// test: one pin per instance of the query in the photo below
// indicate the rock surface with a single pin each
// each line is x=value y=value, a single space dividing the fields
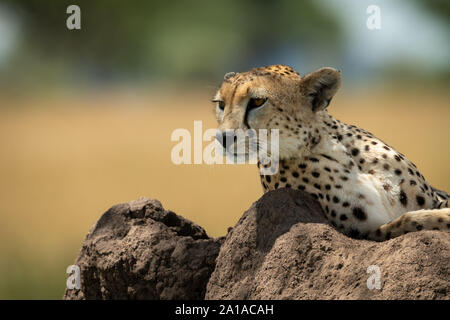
x=276 y=252
x=138 y=250
x=281 y=248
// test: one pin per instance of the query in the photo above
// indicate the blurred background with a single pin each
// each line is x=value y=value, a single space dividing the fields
x=86 y=115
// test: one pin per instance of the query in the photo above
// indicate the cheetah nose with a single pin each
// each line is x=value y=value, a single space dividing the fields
x=226 y=138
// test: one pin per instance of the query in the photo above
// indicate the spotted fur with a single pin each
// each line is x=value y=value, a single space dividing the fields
x=366 y=188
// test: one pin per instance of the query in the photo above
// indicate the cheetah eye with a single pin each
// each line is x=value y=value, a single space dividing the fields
x=256 y=102
x=220 y=104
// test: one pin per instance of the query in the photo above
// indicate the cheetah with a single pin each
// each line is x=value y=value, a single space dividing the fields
x=365 y=187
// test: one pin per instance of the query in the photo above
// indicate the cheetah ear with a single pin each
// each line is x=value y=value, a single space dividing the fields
x=229 y=75
x=320 y=86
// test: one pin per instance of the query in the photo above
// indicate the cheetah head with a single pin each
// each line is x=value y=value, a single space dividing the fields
x=275 y=97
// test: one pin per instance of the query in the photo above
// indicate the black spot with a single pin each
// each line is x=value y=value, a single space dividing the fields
x=412 y=182
x=359 y=136
x=420 y=200
x=403 y=198
x=345 y=204
x=338 y=186
x=315 y=174
x=410 y=171
x=317 y=186
x=343 y=217
x=314 y=196
x=328 y=157
x=327 y=186
x=305 y=180
x=398 y=172
x=283 y=179
x=300 y=187
x=362 y=161
x=397 y=158
x=295 y=174
x=355 y=151
x=386 y=166
x=344 y=178
x=419 y=227
x=384 y=156
x=374 y=143
x=339 y=137
x=386 y=147
x=333 y=213
x=313 y=159
x=353 y=233
x=288 y=185
x=359 y=213
x=268 y=179
x=367 y=148
x=335 y=199
x=302 y=166
x=276 y=185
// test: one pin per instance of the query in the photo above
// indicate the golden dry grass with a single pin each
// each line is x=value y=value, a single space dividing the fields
x=66 y=159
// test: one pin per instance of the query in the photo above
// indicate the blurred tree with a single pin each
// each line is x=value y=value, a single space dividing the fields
x=164 y=39
x=440 y=8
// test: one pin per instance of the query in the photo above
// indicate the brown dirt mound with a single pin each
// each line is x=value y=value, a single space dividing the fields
x=281 y=248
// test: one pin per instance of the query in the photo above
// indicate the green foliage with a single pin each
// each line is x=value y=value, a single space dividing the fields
x=166 y=39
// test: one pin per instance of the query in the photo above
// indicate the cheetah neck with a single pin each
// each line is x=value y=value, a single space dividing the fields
x=325 y=140
x=330 y=146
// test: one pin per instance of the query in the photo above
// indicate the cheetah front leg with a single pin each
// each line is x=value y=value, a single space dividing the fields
x=433 y=219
